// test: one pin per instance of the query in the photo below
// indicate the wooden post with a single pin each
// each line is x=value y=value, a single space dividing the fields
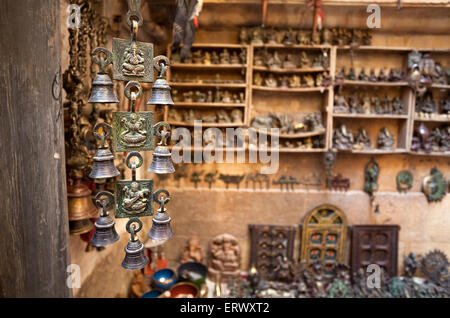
x=34 y=252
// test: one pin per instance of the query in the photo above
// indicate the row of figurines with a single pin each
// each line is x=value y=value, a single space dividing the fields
x=394 y=75
x=292 y=81
x=222 y=116
x=206 y=57
x=426 y=107
x=290 y=60
x=334 y=36
x=363 y=104
x=435 y=141
x=217 y=80
x=253 y=178
x=288 y=124
x=343 y=139
x=218 y=96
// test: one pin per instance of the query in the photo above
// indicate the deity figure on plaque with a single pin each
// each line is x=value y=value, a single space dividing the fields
x=135 y=199
x=192 y=251
x=225 y=256
x=134 y=134
x=133 y=64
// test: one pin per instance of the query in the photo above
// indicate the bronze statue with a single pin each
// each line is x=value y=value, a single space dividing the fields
x=342 y=138
x=385 y=139
x=225 y=257
x=362 y=140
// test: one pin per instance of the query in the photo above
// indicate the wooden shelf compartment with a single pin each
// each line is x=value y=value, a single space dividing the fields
x=433 y=153
x=379 y=84
x=288 y=71
x=434 y=119
x=193 y=104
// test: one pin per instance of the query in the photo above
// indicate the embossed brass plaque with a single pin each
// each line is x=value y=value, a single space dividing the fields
x=133 y=131
x=133 y=198
x=132 y=61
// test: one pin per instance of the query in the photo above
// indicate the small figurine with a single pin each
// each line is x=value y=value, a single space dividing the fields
x=257 y=36
x=376 y=105
x=288 y=62
x=372 y=170
x=207 y=58
x=289 y=37
x=327 y=37
x=362 y=140
x=362 y=75
x=382 y=76
x=192 y=251
x=385 y=139
x=225 y=57
x=397 y=106
x=257 y=79
x=270 y=81
x=294 y=81
x=342 y=139
x=340 y=104
x=243 y=36
x=366 y=105
x=271 y=36
x=274 y=61
x=386 y=104
x=351 y=74
x=354 y=103
x=225 y=257
x=236 y=116
x=372 y=76
x=304 y=37
x=197 y=57
x=284 y=82
x=308 y=80
x=258 y=59
x=215 y=58
x=234 y=58
x=304 y=60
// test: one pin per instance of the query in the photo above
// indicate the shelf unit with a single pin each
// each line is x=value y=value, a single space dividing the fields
x=260 y=100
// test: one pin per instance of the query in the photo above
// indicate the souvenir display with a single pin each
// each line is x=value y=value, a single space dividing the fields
x=434 y=186
x=393 y=75
x=404 y=180
x=225 y=258
x=375 y=244
x=324 y=233
x=371 y=173
x=364 y=104
x=268 y=243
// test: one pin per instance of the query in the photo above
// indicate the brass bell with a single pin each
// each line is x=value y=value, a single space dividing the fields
x=103 y=166
x=161 y=89
x=162 y=161
x=80 y=226
x=161 y=229
x=105 y=233
x=102 y=85
x=135 y=257
x=80 y=205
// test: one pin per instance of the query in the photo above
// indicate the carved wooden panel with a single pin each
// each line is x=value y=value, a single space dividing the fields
x=267 y=243
x=324 y=232
x=375 y=244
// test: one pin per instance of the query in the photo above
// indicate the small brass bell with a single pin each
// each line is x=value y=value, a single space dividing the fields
x=103 y=166
x=161 y=229
x=102 y=85
x=80 y=205
x=162 y=158
x=135 y=257
x=105 y=233
x=161 y=89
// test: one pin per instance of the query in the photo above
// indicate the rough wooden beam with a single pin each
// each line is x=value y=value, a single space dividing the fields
x=34 y=226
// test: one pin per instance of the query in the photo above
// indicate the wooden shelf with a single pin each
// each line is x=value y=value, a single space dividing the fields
x=373 y=151
x=188 y=104
x=391 y=49
x=218 y=125
x=210 y=66
x=192 y=84
x=293 y=70
x=305 y=134
x=381 y=84
x=191 y=148
x=288 y=150
x=369 y=116
x=294 y=46
x=434 y=153
x=219 y=45
x=289 y=90
x=440 y=86
x=435 y=119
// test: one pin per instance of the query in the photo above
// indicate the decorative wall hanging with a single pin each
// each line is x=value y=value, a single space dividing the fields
x=371 y=173
x=329 y=160
x=132 y=132
x=225 y=259
x=324 y=233
x=268 y=243
x=404 y=180
x=435 y=266
x=105 y=232
x=375 y=244
x=434 y=186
